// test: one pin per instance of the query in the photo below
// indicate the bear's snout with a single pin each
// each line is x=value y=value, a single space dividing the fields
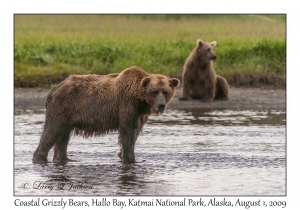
x=213 y=57
x=160 y=102
x=161 y=107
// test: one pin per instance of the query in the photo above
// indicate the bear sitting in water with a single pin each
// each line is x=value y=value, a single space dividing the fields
x=95 y=105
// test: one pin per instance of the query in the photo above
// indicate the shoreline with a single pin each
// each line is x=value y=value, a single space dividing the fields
x=239 y=98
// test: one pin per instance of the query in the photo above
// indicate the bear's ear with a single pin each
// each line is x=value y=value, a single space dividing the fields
x=174 y=82
x=145 y=81
x=199 y=43
x=213 y=44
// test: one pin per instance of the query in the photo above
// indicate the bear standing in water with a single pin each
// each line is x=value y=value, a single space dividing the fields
x=95 y=105
x=199 y=77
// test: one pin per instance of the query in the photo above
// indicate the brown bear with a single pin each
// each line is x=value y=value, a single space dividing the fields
x=199 y=77
x=92 y=105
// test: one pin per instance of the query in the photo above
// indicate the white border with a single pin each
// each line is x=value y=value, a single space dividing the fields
x=8 y=8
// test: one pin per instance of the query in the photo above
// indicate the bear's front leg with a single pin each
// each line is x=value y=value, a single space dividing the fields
x=142 y=120
x=209 y=91
x=127 y=141
x=129 y=128
x=185 y=92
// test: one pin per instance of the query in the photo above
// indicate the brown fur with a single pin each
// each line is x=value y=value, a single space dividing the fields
x=199 y=77
x=93 y=105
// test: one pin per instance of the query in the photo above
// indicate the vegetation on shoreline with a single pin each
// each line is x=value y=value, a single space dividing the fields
x=251 y=49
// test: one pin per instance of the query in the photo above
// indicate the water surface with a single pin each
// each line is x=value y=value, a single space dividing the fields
x=183 y=152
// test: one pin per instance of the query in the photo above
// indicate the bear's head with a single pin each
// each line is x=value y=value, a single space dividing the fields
x=158 y=91
x=204 y=51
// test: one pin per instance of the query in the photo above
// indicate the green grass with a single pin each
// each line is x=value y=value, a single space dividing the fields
x=48 y=48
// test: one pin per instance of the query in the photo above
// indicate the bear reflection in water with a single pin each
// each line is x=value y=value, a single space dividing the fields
x=97 y=104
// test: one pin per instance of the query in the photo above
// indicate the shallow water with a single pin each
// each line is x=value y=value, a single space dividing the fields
x=183 y=152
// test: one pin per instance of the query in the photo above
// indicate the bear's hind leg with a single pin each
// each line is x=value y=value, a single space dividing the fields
x=47 y=141
x=120 y=154
x=222 y=89
x=60 y=148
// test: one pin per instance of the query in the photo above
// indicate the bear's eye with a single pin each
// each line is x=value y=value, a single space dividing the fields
x=208 y=49
x=155 y=92
x=165 y=93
